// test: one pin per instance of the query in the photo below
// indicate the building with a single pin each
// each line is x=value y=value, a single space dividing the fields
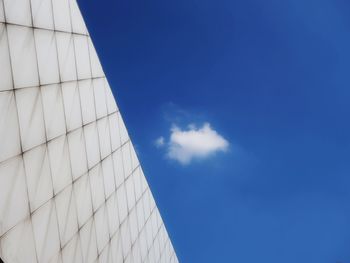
x=71 y=186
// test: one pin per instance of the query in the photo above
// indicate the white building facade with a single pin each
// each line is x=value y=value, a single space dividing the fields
x=71 y=186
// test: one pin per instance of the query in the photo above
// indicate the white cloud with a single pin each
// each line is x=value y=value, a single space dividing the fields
x=194 y=143
x=160 y=142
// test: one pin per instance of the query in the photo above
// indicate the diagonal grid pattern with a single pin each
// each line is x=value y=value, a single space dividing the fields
x=71 y=186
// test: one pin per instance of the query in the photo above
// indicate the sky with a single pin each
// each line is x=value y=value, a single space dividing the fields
x=239 y=112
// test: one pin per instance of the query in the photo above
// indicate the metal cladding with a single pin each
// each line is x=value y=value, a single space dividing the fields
x=71 y=186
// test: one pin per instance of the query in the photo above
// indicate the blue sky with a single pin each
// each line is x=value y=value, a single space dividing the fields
x=272 y=79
